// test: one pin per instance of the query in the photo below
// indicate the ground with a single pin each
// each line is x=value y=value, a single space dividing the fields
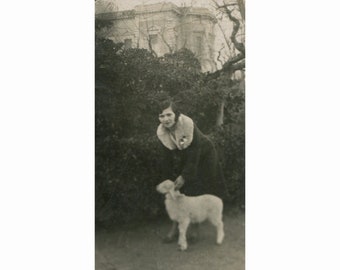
x=140 y=248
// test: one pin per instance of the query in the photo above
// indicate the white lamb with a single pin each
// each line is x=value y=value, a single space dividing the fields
x=185 y=210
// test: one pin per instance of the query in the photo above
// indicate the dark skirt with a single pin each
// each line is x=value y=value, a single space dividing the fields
x=208 y=177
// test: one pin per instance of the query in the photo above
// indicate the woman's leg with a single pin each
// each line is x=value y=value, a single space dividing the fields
x=193 y=232
x=172 y=234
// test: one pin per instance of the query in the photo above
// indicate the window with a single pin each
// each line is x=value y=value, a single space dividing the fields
x=198 y=45
x=153 y=39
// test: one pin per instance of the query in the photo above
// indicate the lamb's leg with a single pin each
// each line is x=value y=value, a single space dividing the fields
x=220 y=232
x=218 y=223
x=182 y=240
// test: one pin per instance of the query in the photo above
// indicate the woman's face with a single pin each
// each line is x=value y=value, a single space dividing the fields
x=167 y=118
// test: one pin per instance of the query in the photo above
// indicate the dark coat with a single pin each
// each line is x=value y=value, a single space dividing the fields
x=198 y=164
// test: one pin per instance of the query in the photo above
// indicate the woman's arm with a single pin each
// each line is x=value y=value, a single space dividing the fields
x=189 y=172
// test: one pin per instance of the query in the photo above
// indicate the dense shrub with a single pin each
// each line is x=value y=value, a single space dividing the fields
x=128 y=85
x=126 y=176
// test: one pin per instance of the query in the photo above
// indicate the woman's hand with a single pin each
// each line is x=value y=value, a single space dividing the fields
x=179 y=182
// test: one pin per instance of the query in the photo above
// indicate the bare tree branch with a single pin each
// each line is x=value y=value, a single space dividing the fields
x=166 y=43
x=219 y=55
x=148 y=38
x=242 y=8
x=235 y=62
x=236 y=26
x=150 y=47
x=224 y=35
x=239 y=66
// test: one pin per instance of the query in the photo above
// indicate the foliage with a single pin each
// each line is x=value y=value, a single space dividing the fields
x=129 y=84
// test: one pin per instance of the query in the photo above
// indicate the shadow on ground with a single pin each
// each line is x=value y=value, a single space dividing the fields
x=140 y=247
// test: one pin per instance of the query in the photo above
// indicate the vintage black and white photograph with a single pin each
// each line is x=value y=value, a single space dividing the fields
x=170 y=134
x=135 y=134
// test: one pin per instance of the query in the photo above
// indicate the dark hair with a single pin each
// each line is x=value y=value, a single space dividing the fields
x=169 y=103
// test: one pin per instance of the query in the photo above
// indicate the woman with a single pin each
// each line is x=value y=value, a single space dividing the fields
x=199 y=171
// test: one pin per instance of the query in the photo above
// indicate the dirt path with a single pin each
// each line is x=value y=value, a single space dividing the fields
x=141 y=248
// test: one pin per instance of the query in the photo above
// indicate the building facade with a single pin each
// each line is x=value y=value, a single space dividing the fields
x=165 y=28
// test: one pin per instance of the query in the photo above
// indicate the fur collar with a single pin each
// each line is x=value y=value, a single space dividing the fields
x=183 y=134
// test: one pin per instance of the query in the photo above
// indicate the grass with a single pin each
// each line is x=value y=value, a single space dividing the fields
x=140 y=247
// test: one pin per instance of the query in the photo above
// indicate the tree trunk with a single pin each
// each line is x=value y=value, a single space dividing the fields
x=220 y=114
x=242 y=8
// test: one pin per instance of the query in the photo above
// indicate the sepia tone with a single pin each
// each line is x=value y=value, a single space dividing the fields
x=192 y=52
x=164 y=28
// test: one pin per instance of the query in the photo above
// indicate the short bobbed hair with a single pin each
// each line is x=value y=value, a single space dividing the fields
x=169 y=103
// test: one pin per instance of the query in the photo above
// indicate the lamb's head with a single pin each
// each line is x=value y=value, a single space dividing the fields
x=166 y=186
